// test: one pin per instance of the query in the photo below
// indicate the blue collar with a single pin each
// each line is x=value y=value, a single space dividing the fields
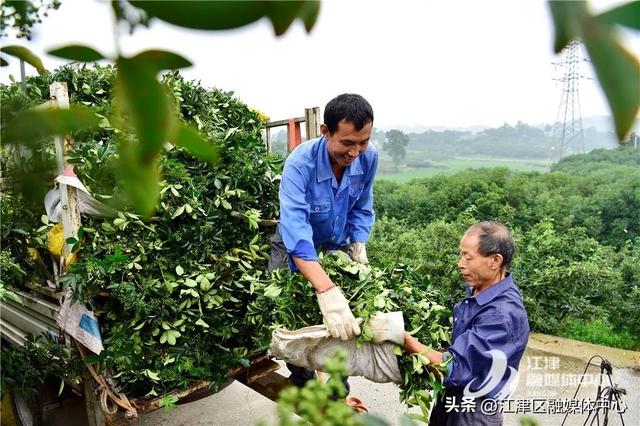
x=323 y=163
x=492 y=292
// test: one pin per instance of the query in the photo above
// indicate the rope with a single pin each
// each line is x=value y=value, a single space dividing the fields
x=110 y=399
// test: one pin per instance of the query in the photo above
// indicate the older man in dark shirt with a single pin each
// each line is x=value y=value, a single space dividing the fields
x=490 y=331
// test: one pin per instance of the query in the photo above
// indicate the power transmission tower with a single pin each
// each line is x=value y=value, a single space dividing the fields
x=568 y=136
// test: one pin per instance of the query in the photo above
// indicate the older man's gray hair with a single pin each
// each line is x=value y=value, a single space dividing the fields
x=494 y=238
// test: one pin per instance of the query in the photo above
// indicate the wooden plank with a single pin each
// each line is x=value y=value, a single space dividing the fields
x=60 y=98
x=283 y=122
x=94 y=412
x=68 y=194
x=268 y=222
x=144 y=406
x=269 y=385
x=268 y=135
x=70 y=215
x=45 y=290
x=261 y=365
x=312 y=122
x=256 y=371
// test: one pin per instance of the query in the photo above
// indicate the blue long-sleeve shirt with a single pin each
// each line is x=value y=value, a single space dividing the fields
x=493 y=320
x=317 y=211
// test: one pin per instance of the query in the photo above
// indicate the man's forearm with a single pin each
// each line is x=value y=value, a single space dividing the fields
x=312 y=271
x=412 y=345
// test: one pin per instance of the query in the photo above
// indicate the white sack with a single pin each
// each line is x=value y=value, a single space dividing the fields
x=310 y=347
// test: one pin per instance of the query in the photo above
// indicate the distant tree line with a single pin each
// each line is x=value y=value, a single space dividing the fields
x=520 y=141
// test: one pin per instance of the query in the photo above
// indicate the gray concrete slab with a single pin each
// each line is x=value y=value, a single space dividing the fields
x=234 y=405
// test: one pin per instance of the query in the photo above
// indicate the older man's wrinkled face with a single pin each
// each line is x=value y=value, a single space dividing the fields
x=347 y=143
x=476 y=269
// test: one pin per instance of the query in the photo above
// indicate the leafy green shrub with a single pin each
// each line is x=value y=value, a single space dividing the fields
x=563 y=275
x=599 y=191
x=445 y=197
x=624 y=302
x=601 y=332
x=431 y=250
x=319 y=403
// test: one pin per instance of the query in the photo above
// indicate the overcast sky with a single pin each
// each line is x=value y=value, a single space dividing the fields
x=423 y=63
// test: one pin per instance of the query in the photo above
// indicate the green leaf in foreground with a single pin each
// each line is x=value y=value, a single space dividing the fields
x=224 y=15
x=163 y=60
x=31 y=126
x=77 y=52
x=140 y=178
x=141 y=95
x=191 y=139
x=26 y=55
x=627 y=15
x=618 y=72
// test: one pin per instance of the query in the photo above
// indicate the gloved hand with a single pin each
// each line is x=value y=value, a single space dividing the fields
x=387 y=327
x=337 y=315
x=358 y=252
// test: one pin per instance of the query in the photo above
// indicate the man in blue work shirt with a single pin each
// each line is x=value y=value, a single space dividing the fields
x=490 y=331
x=326 y=203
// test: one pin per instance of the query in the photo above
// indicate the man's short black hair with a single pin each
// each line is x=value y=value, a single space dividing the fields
x=350 y=107
x=494 y=238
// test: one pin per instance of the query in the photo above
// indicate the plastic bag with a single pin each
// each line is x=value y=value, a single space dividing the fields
x=81 y=324
x=88 y=205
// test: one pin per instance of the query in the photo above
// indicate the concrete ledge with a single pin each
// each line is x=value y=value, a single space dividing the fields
x=620 y=358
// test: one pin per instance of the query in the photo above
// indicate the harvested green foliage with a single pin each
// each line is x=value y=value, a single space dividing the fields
x=288 y=300
x=170 y=293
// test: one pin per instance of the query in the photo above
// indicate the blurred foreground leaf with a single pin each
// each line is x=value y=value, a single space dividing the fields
x=31 y=126
x=224 y=15
x=618 y=71
x=77 y=52
x=145 y=102
x=26 y=55
x=140 y=179
x=163 y=60
x=627 y=15
x=190 y=139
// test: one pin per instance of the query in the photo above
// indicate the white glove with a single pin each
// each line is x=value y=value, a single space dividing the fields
x=337 y=315
x=358 y=252
x=387 y=327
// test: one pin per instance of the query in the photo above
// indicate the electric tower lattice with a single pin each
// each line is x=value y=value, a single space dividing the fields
x=568 y=136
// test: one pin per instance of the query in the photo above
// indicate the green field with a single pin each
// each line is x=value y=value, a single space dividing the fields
x=456 y=165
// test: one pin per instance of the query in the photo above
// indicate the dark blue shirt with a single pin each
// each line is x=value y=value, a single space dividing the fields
x=494 y=320
x=316 y=210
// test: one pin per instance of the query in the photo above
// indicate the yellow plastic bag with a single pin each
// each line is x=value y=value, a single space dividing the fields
x=55 y=240
x=55 y=243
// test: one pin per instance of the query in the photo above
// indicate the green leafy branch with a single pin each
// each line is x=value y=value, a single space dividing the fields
x=617 y=69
